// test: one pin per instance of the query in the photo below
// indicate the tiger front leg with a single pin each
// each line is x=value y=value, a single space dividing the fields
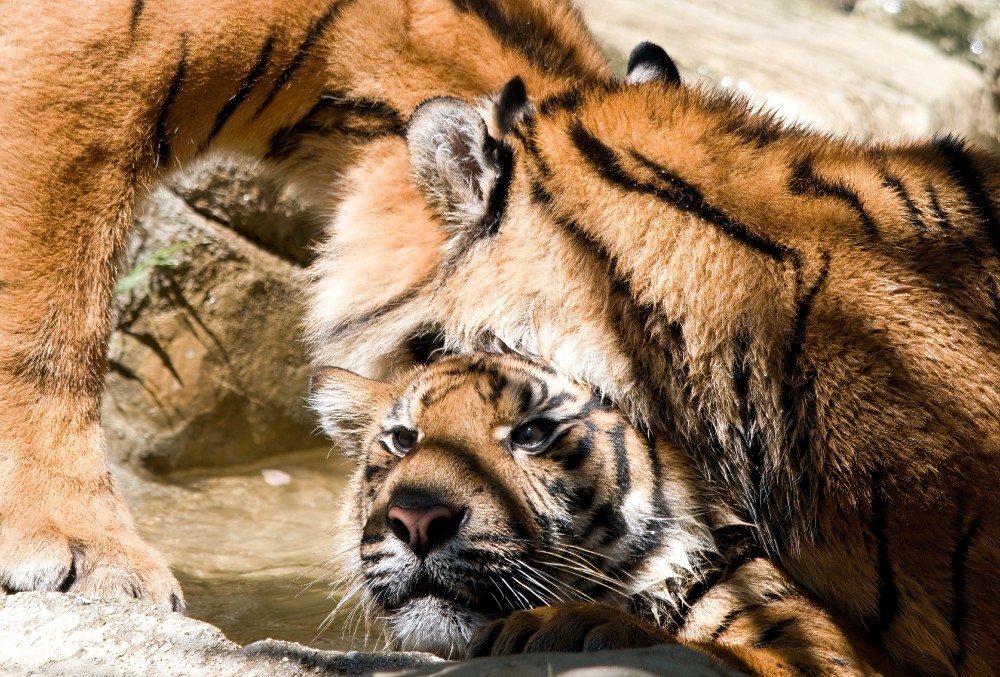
x=570 y=626
x=63 y=523
x=65 y=211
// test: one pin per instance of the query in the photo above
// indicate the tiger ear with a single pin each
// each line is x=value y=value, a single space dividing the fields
x=347 y=405
x=649 y=62
x=462 y=171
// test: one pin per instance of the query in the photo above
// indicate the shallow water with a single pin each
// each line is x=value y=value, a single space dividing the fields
x=245 y=551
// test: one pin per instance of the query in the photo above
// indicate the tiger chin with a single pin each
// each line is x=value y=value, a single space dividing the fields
x=499 y=507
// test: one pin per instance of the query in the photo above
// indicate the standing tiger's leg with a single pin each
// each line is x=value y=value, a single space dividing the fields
x=70 y=162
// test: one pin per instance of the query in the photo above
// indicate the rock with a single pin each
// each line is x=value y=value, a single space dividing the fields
x=52 y=634
x=658 y=661
x=49 y=633
x=206 y=364
x=845 y=73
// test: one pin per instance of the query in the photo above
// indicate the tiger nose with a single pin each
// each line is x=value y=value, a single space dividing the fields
x=423 y=529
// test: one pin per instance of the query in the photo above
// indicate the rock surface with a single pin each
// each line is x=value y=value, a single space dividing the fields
x=206 y=364
x=48 y=633
x=857 y=74
x=51 y=634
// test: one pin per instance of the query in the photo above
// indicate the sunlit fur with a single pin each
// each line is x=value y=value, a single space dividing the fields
x=597 y=513
x=815 y=322
x=101 y=98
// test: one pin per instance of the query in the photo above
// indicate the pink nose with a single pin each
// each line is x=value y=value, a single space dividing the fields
x=422 y=528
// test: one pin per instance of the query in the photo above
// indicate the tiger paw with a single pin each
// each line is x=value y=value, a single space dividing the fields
x=571 y=626
x=79 y=538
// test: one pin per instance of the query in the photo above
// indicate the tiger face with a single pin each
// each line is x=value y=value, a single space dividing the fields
x=487 y=485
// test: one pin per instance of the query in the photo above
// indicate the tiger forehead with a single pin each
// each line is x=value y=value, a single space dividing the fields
x=498 y=387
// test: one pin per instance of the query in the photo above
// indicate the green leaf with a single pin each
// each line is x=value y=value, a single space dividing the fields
x=163 y=258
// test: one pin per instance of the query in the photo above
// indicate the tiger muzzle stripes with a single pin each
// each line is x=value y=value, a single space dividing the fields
x=498 y=507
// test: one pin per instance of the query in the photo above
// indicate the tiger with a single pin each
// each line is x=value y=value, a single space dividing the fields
x=812 y=320
x=101 y=99
x=498 y=507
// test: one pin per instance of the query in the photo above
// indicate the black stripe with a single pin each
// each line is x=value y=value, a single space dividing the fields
x=802 y=312
x=888 y=595
x=581 y=450
x=660 y=506
x=496 y=206
x=912 y=213
x=371 y=471
x=249 y=82
x=939 y=214
x=751 y=436
x=728 y=620
x=623 y=477
x=968 y=530
x=962 y=171
x=312 y=36
x=334 y=112
x=161 y=144
x=137 y=7
x=773 y=633
x=994 y=295
x=677 y=192
x=369 y=316
x=369 y=539
x=531 y=33
x=803 y=181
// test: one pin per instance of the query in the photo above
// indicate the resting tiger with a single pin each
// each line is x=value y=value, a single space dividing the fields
x=493 y=492
x=813 y=321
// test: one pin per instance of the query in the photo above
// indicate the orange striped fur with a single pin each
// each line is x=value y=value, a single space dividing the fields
x=554 y=525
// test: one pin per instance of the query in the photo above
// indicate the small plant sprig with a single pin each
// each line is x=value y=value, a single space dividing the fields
x=138 y=277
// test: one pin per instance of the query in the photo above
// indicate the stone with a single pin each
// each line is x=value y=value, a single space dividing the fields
x=54 y=635
x=845 y=73
x=207 y=368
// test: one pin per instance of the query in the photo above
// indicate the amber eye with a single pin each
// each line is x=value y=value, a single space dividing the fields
x=404 y=439
x=532 y=434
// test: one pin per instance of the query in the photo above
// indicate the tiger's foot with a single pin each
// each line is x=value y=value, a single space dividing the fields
x=71 y=535
x=570 y=626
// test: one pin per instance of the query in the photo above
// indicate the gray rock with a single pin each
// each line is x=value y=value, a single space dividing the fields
x=206 y=364
x=52 y=634
x=658 y=661
x=844 y=73
x=48 y=633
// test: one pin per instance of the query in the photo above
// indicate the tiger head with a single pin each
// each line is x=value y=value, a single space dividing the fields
x=488 y=484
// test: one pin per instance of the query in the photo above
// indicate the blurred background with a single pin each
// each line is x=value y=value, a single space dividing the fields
x=207 y=433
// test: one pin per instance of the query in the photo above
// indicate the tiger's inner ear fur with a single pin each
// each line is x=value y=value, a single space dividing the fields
x=463 y=172
x=649 y=62
x=347 y=405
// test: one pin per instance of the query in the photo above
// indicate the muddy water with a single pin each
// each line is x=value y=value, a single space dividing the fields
x=245 y=551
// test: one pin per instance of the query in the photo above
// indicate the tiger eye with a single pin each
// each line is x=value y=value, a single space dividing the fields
x=404 y=439
x=531 y=434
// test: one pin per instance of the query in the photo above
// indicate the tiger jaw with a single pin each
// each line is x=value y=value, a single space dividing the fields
x=436 y=625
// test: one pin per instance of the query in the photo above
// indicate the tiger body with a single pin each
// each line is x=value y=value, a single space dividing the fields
x=98 y=99
x=588 y=536
x=814 y=322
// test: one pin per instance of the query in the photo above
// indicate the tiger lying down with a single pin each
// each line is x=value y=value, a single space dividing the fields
x=498 y=507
